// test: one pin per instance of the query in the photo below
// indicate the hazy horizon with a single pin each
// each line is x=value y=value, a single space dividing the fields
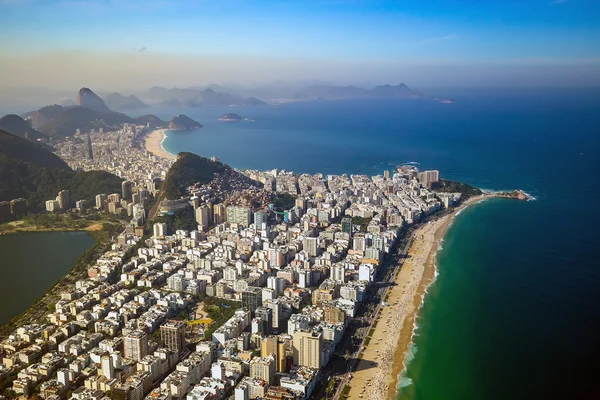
x=130 y=46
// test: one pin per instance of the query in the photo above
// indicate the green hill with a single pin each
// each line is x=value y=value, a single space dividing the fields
x=18 y=126
x=28 y=170
x=70 y=119
x=187 y=170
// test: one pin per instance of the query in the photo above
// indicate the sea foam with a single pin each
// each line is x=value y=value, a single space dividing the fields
x=530 y=197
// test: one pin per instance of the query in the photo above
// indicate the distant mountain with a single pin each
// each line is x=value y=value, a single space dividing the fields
x=195 y=97
x=400 y=90
x=325 y=91
x=116 y=101
x=56 y=120
x=68 y=102
x=17 y=126
x=319 y=90
x=339 y=92
x=30 y=171
x=88 y=99
x=183 y=122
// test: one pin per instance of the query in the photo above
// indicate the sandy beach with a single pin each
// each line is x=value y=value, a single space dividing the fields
x=382 y=360
x=152 y=144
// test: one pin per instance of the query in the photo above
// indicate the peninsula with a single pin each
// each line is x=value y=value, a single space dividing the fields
x=311 y=283
x=183 y=122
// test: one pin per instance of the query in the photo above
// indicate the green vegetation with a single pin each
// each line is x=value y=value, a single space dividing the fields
x=28 y=170
x=219 y=311
x=188 y=170
x=464 y=189
x=330 y=387
x=19 y=127
x=182 y=219
x=183 y=122
x=361 y=222
x=345 y=392
x=283 y=201
x=64 y=221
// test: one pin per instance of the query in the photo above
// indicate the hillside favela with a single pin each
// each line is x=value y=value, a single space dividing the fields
x=311 y=227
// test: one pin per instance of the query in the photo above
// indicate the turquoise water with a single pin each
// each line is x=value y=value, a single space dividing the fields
x=31 y=263
x=515 y=310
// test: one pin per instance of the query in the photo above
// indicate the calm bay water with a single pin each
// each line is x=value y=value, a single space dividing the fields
x=31 y=263
x=515 y=310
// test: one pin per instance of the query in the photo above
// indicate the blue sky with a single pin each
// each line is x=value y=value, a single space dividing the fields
x=550 y=33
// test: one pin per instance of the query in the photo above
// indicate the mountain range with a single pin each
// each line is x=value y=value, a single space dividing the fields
x=116 y=101
x=194 y=97
x=91 y=112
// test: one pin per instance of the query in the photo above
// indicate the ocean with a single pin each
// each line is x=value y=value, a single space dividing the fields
x=515 y=310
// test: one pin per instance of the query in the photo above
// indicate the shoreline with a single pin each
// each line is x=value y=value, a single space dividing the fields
x=33 y=229
x=382 y=361
x=153 y=143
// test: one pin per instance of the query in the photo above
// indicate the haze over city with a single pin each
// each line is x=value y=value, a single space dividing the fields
x=299 y=200
x=132 y=45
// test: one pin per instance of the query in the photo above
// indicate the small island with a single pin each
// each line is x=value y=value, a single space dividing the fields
x=230 y=117
x=183 y=122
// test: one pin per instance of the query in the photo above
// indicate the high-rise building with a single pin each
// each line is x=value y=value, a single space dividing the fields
x=18 y=206
x=219 y=214
x=89 y=148
x=64 y=203
x=135 y=345
x=429 y=178
x=126 y=190
x=52 y=205
x=347 y=225
x=260 y=218
x=263 y=368
x=239 y=215
x=266 y=316
x=100 y=199
x=386 y=174
x=81 y=205
x=108 y=369
x=338 y=273
x=172 y=334
x=307 y=348
x=159 y=229
x=202 y=217
x=275 y=346
x=311 y=246
x=252 y=298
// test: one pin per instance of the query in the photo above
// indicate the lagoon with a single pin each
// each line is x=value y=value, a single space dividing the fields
x=31 y=263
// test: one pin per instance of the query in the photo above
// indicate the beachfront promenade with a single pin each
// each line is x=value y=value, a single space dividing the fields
x=382 y=358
